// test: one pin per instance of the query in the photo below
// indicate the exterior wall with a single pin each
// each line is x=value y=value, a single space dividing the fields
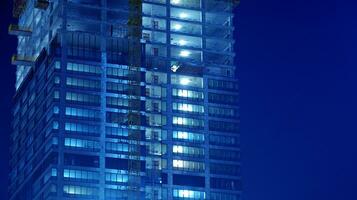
x=91 y=123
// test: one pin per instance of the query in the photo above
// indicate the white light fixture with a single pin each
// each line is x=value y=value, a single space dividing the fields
x=177 y=27
x=185 y=81
x=185 y=53
x=182 y=42
x=183 y=15
x=175 y=1
x=185 y=107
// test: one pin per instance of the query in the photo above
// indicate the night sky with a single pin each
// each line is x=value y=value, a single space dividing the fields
x=297 y=71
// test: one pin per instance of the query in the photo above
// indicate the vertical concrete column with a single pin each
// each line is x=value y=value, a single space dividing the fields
x=103 y=44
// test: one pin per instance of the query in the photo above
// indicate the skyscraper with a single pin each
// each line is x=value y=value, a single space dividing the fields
x=125 y=99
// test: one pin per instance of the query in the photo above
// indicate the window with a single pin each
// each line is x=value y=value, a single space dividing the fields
x=116 y=72
x=186 y=3
x=187 y=81
x=183 y=121
x=184 y=14
x=188 y=165
x=115 y=131
x=83 y=83
x=156 y=78
x=223 y=126
x=77 y=67
x=189 y=194
x=116 y=147
x=222 y=140
x=223 y=98
x=221 y=84
x=222 y=112
x=185 y=107
x=155 y=134
x=117 y=178
x=81 y=144
x=156 y=120
x=79 y=190
x=224 y=196
x=223 y=169
x=80 y=128
x=155 y=91
x=117 y=102
x=81 y=160
x=81 y=175
x=188 y=94
x=82 y=98
x=117 y=87
x=83 y=113
x=224 y=154
x=188 y=151
x=189 y=136
x=189 y=180
x=118 y=118
x=225 y=184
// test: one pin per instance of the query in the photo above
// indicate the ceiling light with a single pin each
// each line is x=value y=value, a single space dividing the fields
x=183 y=15
x=177 y=26
x=185 y=53
x=184 y=81
x=182 y=42
x=175 y=1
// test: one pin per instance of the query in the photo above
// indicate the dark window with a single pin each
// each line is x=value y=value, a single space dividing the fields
x=223 y=126
x=225 y=184
x=224 y=154
x=216 y=168
x=186 y=180
x=81 y=160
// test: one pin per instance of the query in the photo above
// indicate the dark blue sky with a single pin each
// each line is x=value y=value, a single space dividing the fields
x=298 y=83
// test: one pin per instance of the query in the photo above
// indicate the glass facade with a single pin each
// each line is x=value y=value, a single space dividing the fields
x=125 y=99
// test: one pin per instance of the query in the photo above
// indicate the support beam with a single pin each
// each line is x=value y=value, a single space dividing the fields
x=22 y=60
x=19 y=31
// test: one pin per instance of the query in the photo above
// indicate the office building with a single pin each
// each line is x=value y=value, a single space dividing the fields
x=125 y=99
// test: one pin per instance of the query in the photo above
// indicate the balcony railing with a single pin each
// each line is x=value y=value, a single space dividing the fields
x=23 y=60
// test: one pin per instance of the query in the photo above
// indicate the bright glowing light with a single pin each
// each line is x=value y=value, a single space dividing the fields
x=177 y=27
x=182 y=135
x=182 y=42
x=185 y=53
x=178 y=163
x=175 y=1
x=183 y=15
x=186 y=107
x=184 y=81
x=177 y=149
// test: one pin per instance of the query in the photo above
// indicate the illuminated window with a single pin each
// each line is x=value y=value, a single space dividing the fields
x=84 y=144
x=190 y=151
x=187 y=81
x=117 y=147
x=181 y=135
x=118 y=178
x=184 y=107
x=189 y=194
x=187 y=94
x=79 y=190
x=185 y=53
x=188 y=165
x=183 y=121
x=82 y=175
